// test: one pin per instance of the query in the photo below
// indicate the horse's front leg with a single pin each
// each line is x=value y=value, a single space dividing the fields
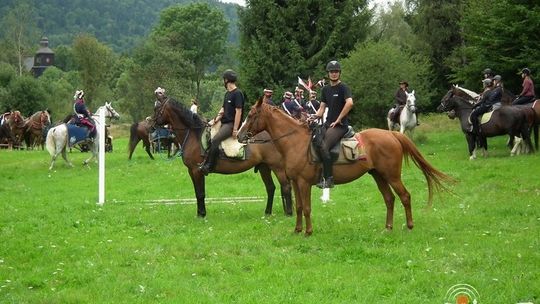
x=304 y=189
x=197 y=178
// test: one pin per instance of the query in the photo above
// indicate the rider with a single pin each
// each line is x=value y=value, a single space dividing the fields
x=267 y=97
x=312 y=105
x=84 y=116
x=161 y=97
x=527 y=94
x=338 y=98
x=400 y=100
x=230 y=115
x=291 y=106
x=488 y=73
x=299 y=96
x=491 y=96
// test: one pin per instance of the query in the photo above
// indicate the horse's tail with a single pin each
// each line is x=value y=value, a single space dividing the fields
x=434 y=177
x=49 y=142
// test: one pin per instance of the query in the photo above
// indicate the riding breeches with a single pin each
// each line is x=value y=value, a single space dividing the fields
x=332 y=136
x=523 y=100
x=224 y=132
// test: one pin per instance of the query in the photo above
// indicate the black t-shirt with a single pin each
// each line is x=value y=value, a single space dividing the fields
x=233 y=100
x=334 y=97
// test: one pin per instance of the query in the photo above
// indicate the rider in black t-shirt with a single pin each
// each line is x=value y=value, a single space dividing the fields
x=338 y=98
x=230 y=116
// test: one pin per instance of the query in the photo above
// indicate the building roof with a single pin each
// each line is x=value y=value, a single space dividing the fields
x=44 y=47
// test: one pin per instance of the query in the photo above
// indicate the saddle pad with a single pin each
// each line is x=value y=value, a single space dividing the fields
x=76 y=134
x=349 y=149
x=231 y=147
x=486 y=117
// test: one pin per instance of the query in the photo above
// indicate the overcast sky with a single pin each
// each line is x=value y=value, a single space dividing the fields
x=377 y=2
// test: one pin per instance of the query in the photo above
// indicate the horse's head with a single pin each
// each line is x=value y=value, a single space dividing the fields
x=411 y=102
x=44 y=118
x=111 y=112
x=17 y=117
x=253 y=124
x=446 y=104
x=171 y=112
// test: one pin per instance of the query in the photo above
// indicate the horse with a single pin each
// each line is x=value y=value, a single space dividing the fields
x=505 y=120
x=57 y=137
x=36 y=125
x=407 y=117
x=137 y=132
x=17 y=127
x=384 y=153
x=188 y=128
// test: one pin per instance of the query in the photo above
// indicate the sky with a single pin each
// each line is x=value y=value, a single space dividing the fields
x=377 y=2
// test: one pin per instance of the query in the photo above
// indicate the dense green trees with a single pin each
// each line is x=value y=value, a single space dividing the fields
x=282 y=40
x=195 y=32
x=429 y=43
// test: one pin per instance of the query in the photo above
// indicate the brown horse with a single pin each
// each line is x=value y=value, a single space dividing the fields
x=140 y=131
x=188 y=128
x=384 y=152
x=16 y=124
x=35 y=129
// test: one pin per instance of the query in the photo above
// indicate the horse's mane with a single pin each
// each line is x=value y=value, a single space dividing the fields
x=189 y=118
x=280 y=110
x=468 y=92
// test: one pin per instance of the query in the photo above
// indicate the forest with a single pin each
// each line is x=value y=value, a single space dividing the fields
x=121 y=51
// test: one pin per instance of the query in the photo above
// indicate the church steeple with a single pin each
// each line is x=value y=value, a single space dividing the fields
x=44 y=57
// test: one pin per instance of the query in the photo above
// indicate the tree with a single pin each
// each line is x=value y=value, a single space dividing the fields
x=280 y=41
x=59 y=87
x=94 y=60
x=20 y=32
x=501 y=35
x=373 y=71
x=198 y=32
x=437 y=24
x=26 y=95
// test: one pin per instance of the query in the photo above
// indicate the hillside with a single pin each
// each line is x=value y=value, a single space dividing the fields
x=121 y=24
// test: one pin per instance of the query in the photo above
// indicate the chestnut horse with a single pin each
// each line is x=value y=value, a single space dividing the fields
x=36 y=127
x=188 y=128
x=16 y=123
x=384 y=152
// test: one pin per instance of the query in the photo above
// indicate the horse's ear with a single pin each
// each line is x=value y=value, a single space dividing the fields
x=412 y=92
x=259 y=102
x=107 y=103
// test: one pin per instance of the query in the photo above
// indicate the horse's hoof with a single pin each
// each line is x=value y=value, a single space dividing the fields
x=308 y=233
x=389 y=227
x=297 y=230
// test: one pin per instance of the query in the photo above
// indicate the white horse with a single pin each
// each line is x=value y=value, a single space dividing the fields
x=57 y=137
x=407 y=118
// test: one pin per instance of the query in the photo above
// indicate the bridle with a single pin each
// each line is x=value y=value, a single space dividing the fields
x=255 y=120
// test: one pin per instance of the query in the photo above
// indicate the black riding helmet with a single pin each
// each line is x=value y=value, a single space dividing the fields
x=333 y=66
x=230 y=75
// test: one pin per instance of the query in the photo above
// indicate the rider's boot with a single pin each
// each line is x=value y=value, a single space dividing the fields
x=210 y=163
x=327 y=180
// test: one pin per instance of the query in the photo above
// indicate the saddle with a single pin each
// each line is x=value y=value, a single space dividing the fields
x=348 y=150
x=229 y=148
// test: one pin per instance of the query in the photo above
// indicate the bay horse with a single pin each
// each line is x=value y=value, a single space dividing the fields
x=137 y=132
x=407 y=117
x=188 y=128
x=35 y=127
x=57 y=137
x=384 y=152
x=508 y=120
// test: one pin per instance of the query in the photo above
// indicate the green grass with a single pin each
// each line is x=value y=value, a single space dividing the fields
x=58 y=246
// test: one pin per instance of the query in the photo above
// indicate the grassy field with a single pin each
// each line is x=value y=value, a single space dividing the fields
x=58 y=246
